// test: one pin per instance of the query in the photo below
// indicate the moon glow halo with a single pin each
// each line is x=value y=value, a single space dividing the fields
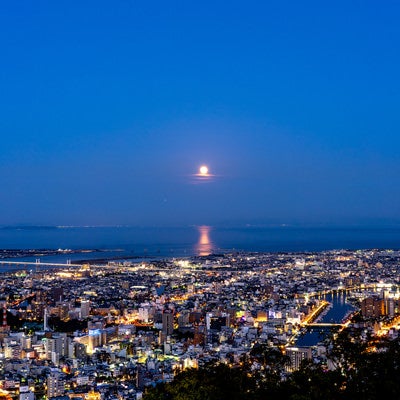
x=203 y=170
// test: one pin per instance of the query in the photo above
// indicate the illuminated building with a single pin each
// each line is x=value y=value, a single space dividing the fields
x=4 y=326
x=85 y=309
x=167 y=322
x=373 y=307
x=296 y=356
x=4 y=395
x=24 y=392
x=46 y=320
x=55 y=385
x=92 y=395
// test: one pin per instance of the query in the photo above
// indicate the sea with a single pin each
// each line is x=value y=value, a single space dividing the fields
x=135 y=243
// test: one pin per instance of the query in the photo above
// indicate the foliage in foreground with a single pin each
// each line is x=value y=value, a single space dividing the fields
x=365 y=370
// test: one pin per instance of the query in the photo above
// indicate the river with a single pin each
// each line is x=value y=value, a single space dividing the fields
x=336 y=313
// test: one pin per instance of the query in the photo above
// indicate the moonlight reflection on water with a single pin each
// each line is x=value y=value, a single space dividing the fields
x=204 y=245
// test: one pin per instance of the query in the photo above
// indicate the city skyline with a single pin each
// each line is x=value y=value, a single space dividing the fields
x=108 y=112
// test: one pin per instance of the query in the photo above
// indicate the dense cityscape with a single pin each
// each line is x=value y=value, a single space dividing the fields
x=200 y=200
x=116 y=330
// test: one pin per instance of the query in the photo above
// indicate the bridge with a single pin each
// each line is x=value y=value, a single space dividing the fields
x=324 y=325
x=37 y=263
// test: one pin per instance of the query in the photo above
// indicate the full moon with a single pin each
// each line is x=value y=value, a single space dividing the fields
x=203 y=170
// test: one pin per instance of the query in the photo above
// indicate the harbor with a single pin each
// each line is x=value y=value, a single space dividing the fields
x=331 y=318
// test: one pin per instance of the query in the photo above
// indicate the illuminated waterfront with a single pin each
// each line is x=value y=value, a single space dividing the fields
x=336 y=313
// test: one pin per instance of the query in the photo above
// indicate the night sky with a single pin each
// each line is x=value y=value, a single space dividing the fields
x=109 y=108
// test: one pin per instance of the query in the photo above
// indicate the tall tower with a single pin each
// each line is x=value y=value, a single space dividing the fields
x=168 y=322
x=45 y=320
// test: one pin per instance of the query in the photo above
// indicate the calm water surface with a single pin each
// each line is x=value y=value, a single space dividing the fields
x=195 y=240
x=338 y=311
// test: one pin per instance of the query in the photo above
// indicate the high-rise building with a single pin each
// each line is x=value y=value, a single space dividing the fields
x=373 y=307
x=76 y=350
x=46 y=320
x=85 y=308
x=56 y=347
x=296 y=356
x=168 y=322
x=55 y=385
x=63 y=310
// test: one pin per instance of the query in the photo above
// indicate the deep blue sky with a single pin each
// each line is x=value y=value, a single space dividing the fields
x=108 y=108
